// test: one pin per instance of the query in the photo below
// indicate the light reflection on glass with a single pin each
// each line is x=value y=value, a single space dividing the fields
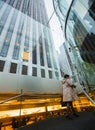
x=12 y=113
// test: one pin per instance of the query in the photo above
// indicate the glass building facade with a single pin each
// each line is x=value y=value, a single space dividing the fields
x=78 y=22
x=26 y=45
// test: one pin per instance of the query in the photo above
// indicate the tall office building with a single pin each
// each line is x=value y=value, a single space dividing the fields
x=27 y=55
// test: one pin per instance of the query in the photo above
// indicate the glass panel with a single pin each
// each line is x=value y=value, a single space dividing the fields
x=18 y=39
x=41 y=51
x=4 y=18
x=34 y=46
x=47 y=53
x=7 y=40
x=81 y=37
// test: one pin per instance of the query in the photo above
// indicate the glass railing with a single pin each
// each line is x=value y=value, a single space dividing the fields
x=28 y=107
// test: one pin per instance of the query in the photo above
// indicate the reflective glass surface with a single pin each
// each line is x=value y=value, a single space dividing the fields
x=80 y=35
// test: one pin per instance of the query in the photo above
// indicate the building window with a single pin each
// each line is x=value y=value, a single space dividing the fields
x=62 y=73
x=34 y=71
x=4 y=18
x=24 y=70
x=18 y=40
x=16 y=52
x=56 y=74
x=48 y=54
x=34 y=56
x=50 y=74
x=41 y=51
x=13 y=68
x=43 y=73
x=8 y=37
x=2 y=63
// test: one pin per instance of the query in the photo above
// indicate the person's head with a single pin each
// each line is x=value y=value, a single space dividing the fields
x=66 y=76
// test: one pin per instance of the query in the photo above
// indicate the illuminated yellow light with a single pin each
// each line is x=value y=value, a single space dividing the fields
x=25 y=55
x=11 y=113
x=54 y=107
x=83 y=102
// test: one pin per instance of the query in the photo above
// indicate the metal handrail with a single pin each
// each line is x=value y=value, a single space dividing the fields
x=22 y=94
x=11 y=98
x=68 y=12
x=89 y=97
x=55 y=7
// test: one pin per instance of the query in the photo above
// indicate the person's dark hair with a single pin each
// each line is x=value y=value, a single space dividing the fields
x=66 y=76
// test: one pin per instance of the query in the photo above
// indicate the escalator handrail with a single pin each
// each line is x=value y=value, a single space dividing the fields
x=11 y=98
x=22 y=94
x=87 y=95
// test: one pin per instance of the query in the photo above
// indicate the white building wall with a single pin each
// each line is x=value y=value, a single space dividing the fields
x=17 y=81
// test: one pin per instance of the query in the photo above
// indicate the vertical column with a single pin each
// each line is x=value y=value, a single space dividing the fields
x=44 y=52
x=30 y=47
x=38 y=53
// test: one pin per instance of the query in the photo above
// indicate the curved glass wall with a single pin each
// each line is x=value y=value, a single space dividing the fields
x=80 y=34
x=61 y=8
